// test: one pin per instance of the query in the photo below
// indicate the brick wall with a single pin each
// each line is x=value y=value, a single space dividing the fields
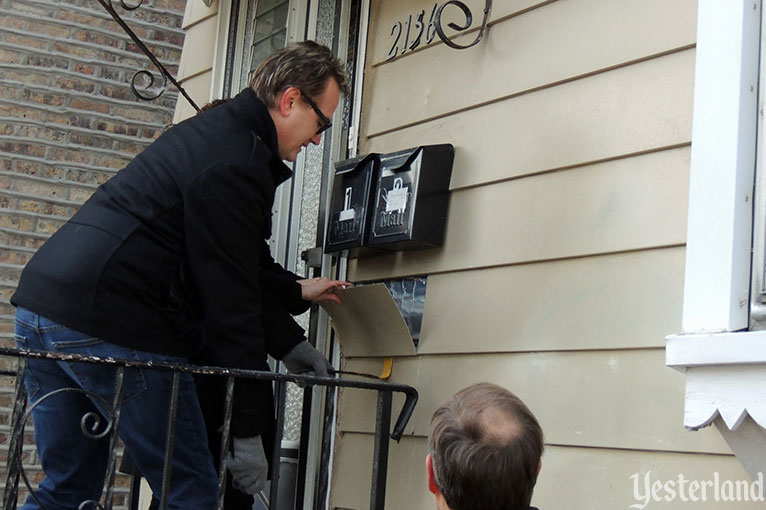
x=68 y=122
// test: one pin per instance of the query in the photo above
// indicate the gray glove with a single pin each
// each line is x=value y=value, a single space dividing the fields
x=304 y=359
x=248 y=466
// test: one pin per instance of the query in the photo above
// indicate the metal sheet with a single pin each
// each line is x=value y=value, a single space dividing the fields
x=369 y=323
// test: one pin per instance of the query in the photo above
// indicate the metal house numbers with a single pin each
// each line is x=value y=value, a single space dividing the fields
x=398 y=32
x=407 y=35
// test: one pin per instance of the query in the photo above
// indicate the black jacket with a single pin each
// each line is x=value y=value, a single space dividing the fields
x=175 y=240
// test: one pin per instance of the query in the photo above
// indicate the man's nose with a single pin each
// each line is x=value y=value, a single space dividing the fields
x=316 y=139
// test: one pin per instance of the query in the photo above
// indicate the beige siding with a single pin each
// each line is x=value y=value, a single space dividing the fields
x=554 y=43
x=584 y=303
x=197 y=11
x=197 y=55
x=406 y=474
x=198 y=87
x=571 y=477
x=195 y=70
x=609 y=399
x=562 y=267
x=625 y=204
x=591 y=478
x=643 y=107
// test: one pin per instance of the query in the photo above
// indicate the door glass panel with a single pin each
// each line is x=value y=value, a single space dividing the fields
x=267 y=5
x=269 y=31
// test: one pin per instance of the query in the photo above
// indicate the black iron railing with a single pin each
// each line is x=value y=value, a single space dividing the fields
x=144 y=74
x=379 y=457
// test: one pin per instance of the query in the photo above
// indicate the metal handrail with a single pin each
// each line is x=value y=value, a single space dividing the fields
x=166 y=75
x=380 y=455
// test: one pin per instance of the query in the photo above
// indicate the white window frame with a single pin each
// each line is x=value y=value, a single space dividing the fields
x=723 y=156
x=724 y=361
x=717 y=286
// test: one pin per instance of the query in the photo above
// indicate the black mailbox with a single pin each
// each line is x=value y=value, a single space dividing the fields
x=348 y=226
x=411 y=198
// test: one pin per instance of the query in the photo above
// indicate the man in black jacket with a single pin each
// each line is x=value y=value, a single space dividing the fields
x=170 y=251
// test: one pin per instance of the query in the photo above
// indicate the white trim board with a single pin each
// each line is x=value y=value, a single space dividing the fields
x=717 y=284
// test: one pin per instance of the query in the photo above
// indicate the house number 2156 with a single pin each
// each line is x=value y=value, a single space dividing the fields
x=408 y=35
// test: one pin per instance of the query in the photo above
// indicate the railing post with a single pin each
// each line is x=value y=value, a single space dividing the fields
x=13 y=464
x=167 y=470
x=380 y=455
x=281 y=398
x=303 y=448
x=325 y=451
x=228 y=410
x=113 y=437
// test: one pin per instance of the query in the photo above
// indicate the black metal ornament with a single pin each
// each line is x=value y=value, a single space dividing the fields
x=147 y=77
x=468 y=21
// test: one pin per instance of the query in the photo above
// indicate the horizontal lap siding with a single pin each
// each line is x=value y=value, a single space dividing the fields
x=626 y=111
x=555 y=43
x=625 y=399
x=625 y=300
x=562 y=267
x=626 y=204
x=195 y=73
x=571 y=477
x=594 y=478
x=353 y=471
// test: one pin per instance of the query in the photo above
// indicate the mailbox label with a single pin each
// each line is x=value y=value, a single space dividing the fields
x=394 y=198
x=352 y=192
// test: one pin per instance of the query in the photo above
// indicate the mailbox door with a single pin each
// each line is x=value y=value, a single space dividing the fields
x=411 y=198
x=394 y=205
x=349 y=208
x=395 y=197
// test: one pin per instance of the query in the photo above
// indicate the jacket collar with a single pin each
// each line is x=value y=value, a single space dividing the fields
x=253 y=113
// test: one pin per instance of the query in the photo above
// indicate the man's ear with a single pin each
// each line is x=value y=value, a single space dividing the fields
x=287 y=100
x=430 y=475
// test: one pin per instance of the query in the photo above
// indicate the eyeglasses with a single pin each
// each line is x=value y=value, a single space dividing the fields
x=326 y=123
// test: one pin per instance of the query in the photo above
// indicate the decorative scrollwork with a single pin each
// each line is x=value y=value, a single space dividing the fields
x=468 y=21
x=86 y=505
x=145 y=75
x=148 y=81
x=89 y=424
x=131 y=8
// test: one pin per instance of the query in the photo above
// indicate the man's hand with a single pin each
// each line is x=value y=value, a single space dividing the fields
x=322 y=289
x=248 y=466
x=304 y=359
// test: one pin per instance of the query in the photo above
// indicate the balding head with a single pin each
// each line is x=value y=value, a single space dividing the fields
x=485 y=446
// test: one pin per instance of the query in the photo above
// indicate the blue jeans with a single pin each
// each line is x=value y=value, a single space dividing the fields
x=75 y=464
